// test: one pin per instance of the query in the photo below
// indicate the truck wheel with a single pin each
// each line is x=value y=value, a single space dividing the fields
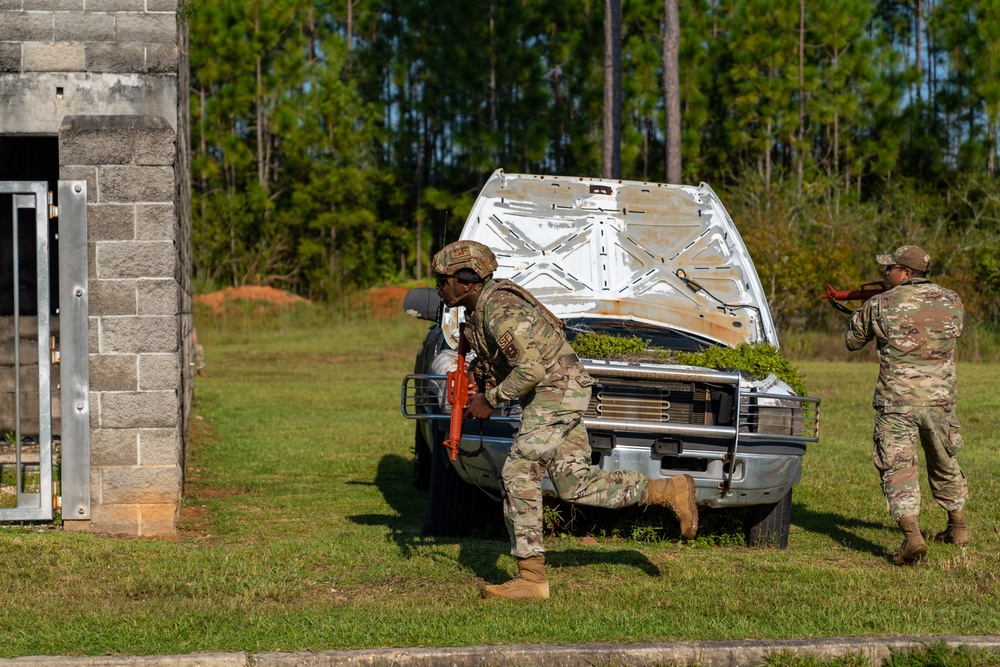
x=768 y=525
x=450 y=501
x=421 y=461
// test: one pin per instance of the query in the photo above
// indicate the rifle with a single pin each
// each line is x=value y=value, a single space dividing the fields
x=457 y=394
x=867 y=291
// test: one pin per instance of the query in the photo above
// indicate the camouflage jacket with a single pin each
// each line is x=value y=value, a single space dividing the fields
x=915 y=325
x=517 y=341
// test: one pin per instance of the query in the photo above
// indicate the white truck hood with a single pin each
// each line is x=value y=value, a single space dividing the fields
x=666 y=255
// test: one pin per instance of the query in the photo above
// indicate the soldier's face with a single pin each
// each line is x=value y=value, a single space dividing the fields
x=897 y=274
x=446 y=287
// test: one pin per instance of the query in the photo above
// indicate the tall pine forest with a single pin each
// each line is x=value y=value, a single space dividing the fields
x=338 y=143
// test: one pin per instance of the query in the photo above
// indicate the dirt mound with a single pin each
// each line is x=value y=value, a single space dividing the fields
x=382 y=302
x=217 y=300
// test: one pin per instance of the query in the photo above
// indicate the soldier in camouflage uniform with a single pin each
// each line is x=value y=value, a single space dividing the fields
x=522 y=354
x=915 y=324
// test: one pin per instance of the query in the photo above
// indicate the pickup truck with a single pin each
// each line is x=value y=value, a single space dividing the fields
x=664 y=263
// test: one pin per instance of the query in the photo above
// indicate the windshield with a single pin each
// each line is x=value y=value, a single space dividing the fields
x=656 y=337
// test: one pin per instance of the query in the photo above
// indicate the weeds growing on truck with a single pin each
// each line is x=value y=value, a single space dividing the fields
x=663 y=263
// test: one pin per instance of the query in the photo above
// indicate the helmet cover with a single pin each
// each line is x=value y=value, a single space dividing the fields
x=470 y=255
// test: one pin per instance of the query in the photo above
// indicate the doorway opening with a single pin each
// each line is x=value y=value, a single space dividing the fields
x=29 y=323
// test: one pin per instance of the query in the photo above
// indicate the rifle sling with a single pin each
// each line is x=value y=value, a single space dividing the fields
x=841 y=307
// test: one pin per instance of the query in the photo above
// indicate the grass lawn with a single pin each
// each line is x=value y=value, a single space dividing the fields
x=301 y=530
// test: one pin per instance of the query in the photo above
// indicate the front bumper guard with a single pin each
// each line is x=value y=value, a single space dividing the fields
x=762 y=417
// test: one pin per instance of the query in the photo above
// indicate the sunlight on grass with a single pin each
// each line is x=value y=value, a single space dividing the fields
x=301 y=529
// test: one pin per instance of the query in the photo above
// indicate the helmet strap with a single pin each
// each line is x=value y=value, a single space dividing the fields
x=455 y=300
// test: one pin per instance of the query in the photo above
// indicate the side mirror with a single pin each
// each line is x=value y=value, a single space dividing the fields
x=422 y=303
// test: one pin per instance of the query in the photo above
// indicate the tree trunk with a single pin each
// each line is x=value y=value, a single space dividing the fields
x=767 y=159
x=920 y=77
x=991 y=158
x=493 y=70
x=672 y=89
x=419 y=260
x=350 y=25
x=645 y=149
x=333 y=256
x=836 y=142
x=203 y=150
x=800 y=166
x=611 y=166
x=259 y=104
x=311 y=53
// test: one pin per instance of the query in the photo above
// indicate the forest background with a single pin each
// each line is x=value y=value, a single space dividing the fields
x=338 y=143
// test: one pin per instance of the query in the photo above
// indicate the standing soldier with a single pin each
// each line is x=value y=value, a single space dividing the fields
x=522 y=353
x=915 y=324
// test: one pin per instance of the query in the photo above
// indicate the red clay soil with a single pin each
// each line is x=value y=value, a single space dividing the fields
x=378 y=302
x=216 y=300
x=383 y=302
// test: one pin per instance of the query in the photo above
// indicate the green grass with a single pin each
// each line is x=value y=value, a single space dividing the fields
x=301 y=530
x=936 y=654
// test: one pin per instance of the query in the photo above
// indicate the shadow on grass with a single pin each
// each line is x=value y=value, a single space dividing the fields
x=838 y=528
x=480 y=553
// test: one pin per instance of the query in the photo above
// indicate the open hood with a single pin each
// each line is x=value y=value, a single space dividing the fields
x=665 y=255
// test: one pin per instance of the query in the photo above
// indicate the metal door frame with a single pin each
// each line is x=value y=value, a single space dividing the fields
x=73 y=356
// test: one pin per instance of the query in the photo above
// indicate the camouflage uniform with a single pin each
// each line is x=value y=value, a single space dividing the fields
x=915 y=325
x=522 y=353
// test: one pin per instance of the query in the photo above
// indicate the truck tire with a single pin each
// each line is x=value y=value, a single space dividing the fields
x=421 y=461
x=450 y=501
x=768 y=525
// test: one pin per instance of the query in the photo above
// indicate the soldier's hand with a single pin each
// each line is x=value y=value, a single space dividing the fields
x=478 y=407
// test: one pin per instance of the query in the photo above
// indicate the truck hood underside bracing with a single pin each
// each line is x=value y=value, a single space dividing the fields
x=666 y=255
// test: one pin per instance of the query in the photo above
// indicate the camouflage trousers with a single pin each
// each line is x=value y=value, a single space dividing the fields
x=897 y=434
x=554 y=439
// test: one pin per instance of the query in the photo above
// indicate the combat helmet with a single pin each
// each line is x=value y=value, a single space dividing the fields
x=460 y=255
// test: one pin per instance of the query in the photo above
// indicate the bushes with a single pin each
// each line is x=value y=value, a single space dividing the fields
x=759 y=360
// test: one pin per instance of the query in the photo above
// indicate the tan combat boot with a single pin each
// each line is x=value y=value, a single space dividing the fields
x=914 y=548
x=677 y=493
x=530 y=583
x=955 y=532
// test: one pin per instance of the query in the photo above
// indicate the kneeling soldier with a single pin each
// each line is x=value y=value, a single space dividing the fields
x=522 y=352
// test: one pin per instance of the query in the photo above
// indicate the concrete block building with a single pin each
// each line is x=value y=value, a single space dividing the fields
x=95 y=292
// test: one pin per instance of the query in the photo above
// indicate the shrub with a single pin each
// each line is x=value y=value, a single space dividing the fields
x=758 y=360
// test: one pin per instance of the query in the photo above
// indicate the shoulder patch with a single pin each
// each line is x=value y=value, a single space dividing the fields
x=506 y=343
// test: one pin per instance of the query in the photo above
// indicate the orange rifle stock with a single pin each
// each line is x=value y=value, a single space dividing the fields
x=867 y=291
x=458 y=395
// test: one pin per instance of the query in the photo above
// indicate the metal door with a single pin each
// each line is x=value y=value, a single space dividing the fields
x=44 y=365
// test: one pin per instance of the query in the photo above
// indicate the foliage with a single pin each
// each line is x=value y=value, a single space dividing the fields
x=337 y=145
x=284 y=172
x=603 y=346
x=758 y=360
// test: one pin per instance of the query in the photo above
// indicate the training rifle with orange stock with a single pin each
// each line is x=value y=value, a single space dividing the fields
x=867 y=291
x=457 y=394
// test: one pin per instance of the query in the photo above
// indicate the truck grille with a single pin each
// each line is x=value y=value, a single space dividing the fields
x=674 y=402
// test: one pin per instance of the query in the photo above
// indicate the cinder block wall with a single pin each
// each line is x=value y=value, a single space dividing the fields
x=109 y=78
x=135 y=318
x=86 y=57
